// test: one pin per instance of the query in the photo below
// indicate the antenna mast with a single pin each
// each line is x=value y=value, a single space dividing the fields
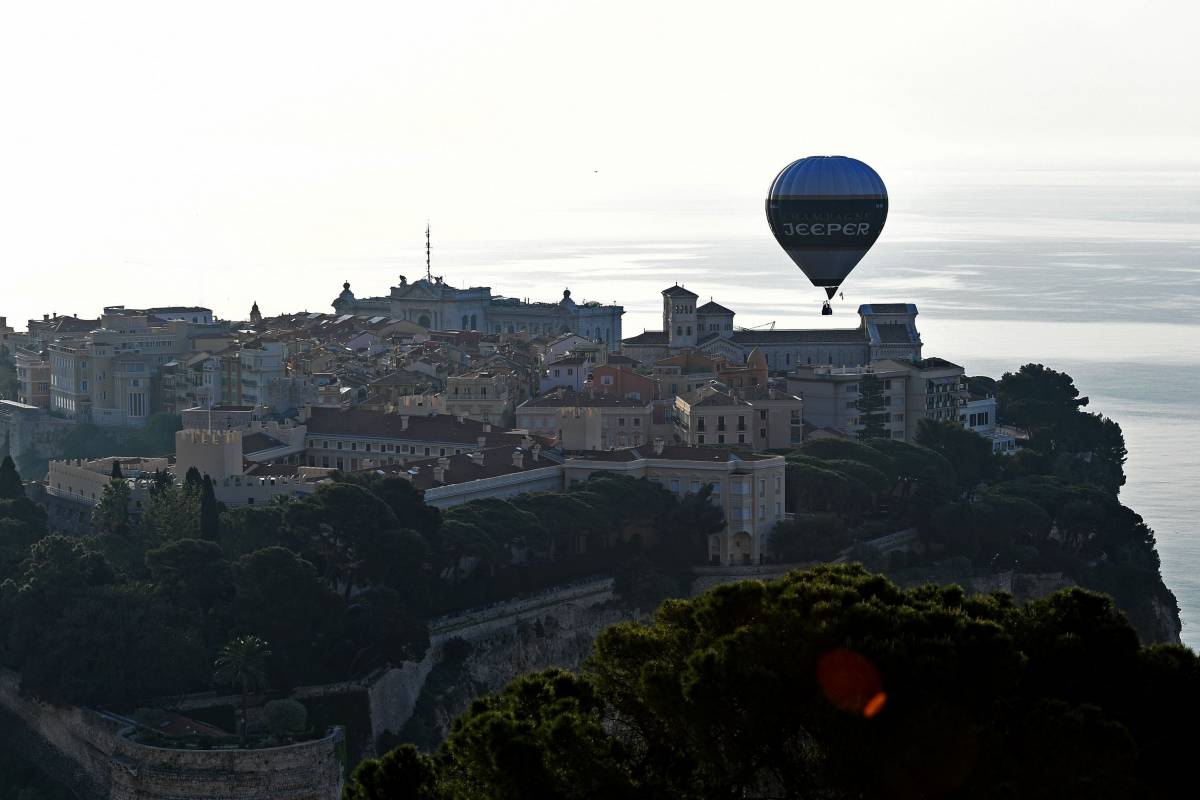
x=428 y=272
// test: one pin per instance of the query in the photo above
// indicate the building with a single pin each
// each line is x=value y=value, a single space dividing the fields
x=748 y=487
x=436 y=305
x=885 y=330
x=758 y=418
x=621 y=381
x=587 y=421
x=569 y=372
x=33 y=377
x=354 y=439
x=29 y=431
x=494 y=472
x=932 y=388
x=486 y=395
x=830 y=396
x=108 y=377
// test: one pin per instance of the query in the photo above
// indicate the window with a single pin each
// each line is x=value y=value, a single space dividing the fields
x=556 y=373
x=762 y=415
x=695 y=486
x=720 y=438
x=762 y=433
x=354 y=445
x=741 y=438
x=675 y=485
x=762 y=486
x=700 y=439
x=637 y=422
x=607 y=380
x=621 y=421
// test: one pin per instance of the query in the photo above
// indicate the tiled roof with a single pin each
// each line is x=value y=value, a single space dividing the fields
x=713 y=308
x=257 y=442
x=496 y=461
x=377 y=424
x=670 y=452
x=936 y=363
x=678 y=291
x=647 y=338
x=403 y=377
x=570 y=399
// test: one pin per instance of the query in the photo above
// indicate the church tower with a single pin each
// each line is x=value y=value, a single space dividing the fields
x=255 y=314
x=679 y=317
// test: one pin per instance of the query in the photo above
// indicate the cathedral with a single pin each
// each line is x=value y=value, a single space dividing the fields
x=885 y=330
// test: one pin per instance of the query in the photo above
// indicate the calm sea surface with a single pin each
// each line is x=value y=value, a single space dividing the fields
x=1094 y=274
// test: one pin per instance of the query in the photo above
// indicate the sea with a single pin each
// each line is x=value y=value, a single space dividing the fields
x=1093 y=273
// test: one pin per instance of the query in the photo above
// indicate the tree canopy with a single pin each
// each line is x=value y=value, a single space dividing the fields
x=791 y=688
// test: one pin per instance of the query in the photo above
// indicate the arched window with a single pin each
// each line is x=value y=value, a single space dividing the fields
x=466 y=319
x=423 y=321
x=473 y=324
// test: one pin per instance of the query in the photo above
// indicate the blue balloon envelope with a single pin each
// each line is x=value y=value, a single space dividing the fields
x=826 y=212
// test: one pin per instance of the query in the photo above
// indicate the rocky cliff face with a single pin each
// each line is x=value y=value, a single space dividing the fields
x=557 y=638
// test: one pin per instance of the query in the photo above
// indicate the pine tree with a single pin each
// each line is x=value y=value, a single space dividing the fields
x=116 y=470
x=112 y=515
x=871 y=410
x=210 y=512
x=10 y=480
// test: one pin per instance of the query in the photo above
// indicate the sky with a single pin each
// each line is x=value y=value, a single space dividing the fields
x=163 y=153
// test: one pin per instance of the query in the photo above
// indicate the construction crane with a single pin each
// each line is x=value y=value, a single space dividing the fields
x=768 y=325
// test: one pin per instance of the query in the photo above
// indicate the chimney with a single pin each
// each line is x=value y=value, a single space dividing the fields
x=658 y=445
x=518 y=456
x=477 y=458
x=487 y=427
x=45 y=317
x=537 y=452
x=439 y=472
x=481 y=441
x=526 y=441
x=404 y=422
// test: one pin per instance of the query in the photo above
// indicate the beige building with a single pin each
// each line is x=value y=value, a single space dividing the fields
x=33 y=377
x=108 y=376
x=748 y=487
x=587 y=422
x=931 y=388
x=757 y=418
x=830 y=396
x=488 y=395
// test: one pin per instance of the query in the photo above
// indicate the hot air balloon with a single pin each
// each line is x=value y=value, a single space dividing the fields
x=826 y=212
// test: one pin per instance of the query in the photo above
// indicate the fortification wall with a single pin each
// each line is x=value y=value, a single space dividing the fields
x=71 y=744
x=305 y=771
x=86 y=752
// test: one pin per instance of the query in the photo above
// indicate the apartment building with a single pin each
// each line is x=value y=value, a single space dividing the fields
x=109 y=376
x=587 y=421
x=758 y=418
x=353 y=439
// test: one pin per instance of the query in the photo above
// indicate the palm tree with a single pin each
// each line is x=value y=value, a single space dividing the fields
x=242 y=664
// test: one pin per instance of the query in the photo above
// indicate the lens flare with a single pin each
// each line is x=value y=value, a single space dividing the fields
x=851 y=682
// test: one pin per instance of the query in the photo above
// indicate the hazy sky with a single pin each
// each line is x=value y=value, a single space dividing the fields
x=163 y=153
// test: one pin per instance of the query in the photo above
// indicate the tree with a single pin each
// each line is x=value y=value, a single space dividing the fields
x=116 y=470
x=11 y=487
x=111 y=516
x=210 y=512
x=968 y=453
x=787 y=689
x=242 y=664
x=403 y=772
x=870 y=407
x=280 y=597
x=286 y=717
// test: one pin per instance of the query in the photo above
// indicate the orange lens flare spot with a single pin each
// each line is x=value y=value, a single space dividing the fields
x=875 y=705
x=851 y=682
